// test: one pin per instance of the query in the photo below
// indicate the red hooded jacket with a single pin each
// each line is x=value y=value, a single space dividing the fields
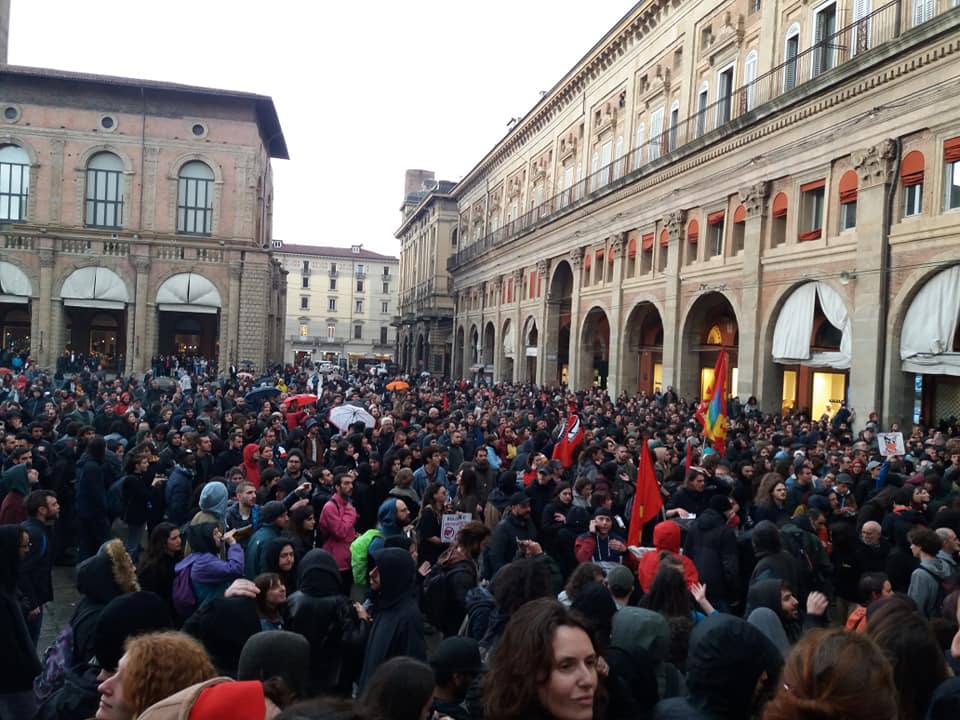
x=666 y=536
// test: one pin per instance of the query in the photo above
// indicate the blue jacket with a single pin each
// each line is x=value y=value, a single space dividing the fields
x=387 y=520
x=177 y=494
x=256 y=549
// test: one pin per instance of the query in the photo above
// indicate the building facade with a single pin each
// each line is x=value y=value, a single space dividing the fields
x=779 y=179
x=340 y=303
x=135 y=220
x=427 y=233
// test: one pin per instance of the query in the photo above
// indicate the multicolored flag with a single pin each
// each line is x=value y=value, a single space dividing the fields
x=712 y=412
x=647 y=501
x=572 y=436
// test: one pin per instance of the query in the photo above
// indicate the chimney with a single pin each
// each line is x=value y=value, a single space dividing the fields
x=414 y=180
x=4 y=29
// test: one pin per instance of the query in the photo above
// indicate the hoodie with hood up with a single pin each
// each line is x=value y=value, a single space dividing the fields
x=666 y=536
x=397 y=624
x=640 y=633
x=389 y=525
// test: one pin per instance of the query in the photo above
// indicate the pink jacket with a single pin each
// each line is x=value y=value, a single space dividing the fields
x=337 y=520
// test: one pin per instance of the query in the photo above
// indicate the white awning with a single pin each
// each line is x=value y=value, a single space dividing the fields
x=94 y=287
x=792 y=334
x=188 y=292
x=930 y=326
x=15 y=286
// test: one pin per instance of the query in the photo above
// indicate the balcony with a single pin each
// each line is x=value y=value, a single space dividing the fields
x=431 y=298
x=360 y=274
x=770 y=93
x=333 y=272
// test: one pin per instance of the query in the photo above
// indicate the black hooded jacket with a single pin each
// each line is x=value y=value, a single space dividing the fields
x=18 y=661
x=323 y=615
x=397 y=625
x=712 y=546
x=727 y=656
x=766 y=593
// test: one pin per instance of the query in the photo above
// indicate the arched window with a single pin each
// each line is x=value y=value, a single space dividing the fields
x=104 y=199
x=14 y=182
x=195 y=199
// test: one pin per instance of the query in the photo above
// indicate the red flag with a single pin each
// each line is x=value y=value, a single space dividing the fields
x=648 y=501
x=569 y=440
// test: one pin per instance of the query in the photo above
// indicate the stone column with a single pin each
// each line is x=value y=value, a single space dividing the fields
x=757 y=374
x=230 y=352
x=674 y=223
x=576 y=262
x=875 y=167
x=498 y=355
x=139 y=351
x=42 y=341
x=543 y=268
x=615 y=351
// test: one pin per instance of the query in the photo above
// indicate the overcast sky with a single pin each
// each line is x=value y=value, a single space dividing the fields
x=364 y=90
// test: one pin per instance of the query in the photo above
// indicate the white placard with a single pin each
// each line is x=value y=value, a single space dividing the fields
x=890 y=443
x=450 y=525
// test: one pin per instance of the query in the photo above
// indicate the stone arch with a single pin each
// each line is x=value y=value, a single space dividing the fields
x=594 y=348
x=474 y=354
x=489 y=343
x=218 y=183
x=556 y=324
x=185 y=158
x=69 y=270
x=509 y=351
x=83 y=159
x=9 y=139
x=697 y=357
x=641 y=367
x=160 y=278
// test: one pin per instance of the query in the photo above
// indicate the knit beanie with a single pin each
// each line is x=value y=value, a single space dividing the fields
x=277 y=653
x=234 y=700
x=124 y=617
x=213 y=498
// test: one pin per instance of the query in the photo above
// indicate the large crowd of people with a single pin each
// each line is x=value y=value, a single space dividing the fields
x=408 y=549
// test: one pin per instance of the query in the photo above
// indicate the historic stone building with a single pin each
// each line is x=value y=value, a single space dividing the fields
x=135 y=219
x=427 y=234
x=778 y=178
x=340 y=303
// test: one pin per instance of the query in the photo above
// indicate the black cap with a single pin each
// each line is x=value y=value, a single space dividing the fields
x=457 y=654
x=602 y=511
x=519 y=498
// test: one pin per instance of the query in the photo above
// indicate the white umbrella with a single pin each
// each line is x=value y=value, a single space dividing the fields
x=343 y=416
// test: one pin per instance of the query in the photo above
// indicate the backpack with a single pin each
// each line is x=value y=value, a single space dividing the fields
x=57 y=660
x=116 y=504
x=437 y=597
x=359 y=550
x=945 y=586
x=184 y=597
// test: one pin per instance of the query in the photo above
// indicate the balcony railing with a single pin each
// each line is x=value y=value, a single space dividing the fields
x=853 y=41
x=426 y=294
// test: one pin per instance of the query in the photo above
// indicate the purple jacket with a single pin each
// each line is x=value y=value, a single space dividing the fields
x=209 y=575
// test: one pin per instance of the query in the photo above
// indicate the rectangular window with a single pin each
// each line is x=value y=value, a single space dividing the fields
x=333 y=283
x=952 y=185
x=811 y=196
x=702 y=98
x=386 y=288
x=333 y=268
x=359 y=307
x=724 y=95
x=385 y=307
x=715 y=230
x=824 y=28
x=792 y=50
x=359 y=286
x=194 y=206
x=14 y=179
x=912 y=200
x=305 y=282
x=105 y=198
x=304 y=302
x=923 y=10
x=360 y=269
x=306 y=267
x=331 y=331
x=303 y=330
x=332 y=304
x=848 y=215
x=641 y=140
x=674 y=123
x=386 y=271
x=606 y=153
x=383 y=335
x=656 y=130
x=749 y=78
x=618 y=159
x=737 y=235
x=358 y=332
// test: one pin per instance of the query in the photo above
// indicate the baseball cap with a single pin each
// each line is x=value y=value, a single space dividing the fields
x=271 y=511
x=519 y=498
x=620 y=580
x=873 y=464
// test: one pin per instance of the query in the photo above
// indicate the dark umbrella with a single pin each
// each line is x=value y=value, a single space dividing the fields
x=260 y=394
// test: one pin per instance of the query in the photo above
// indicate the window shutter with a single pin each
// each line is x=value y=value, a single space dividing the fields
x=951 y=150
x=749 y=77
x=648 y=242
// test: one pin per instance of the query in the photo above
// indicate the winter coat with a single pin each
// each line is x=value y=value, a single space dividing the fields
x=35 y=578
x=397 y=625
x=209 y=575
x=92 y=496
x=462 y=575
x=178 y=494
x=712 y=546
x=15 y=487
x=18 y=661
x=257 y=546
x=322 y=614
x=925 y=588
x=503 y=546
x=666 y=536
x=645 y=633
x=387 y=521
x=337 y=528
x=766 y=593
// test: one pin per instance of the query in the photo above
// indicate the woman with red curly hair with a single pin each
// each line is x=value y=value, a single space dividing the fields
x=153 y=667
x=832 y=673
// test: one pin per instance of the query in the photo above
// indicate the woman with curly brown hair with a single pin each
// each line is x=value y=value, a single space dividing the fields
x=771 y=499
x=153 y=667
x=832 y=673
x=545 y=668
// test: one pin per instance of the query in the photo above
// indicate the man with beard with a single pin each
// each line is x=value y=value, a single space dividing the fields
x=778 y=597
x=486 y=476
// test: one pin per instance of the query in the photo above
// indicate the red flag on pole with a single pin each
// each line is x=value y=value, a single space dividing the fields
x=569 y=440
x=648 y=501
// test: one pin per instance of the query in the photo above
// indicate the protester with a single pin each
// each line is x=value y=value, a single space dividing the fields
x=18 y=660
x=401 y=689
x=157 y=567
